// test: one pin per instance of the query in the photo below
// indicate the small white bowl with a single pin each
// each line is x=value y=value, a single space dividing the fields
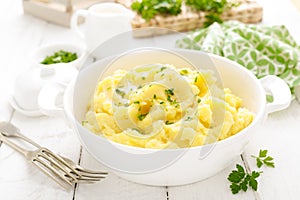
x=40 y=54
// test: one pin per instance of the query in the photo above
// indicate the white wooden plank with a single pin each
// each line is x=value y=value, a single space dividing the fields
x=22 y=180
x=280 y=135
x=19 y=36
x=114 y=187
x=216 y=187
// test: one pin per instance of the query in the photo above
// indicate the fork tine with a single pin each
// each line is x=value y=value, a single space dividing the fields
x=57 y=157
x=83 y=176
x=87 y=171
x=56 y=164
x=88 y=179
x=52 y=176
x=47 y=168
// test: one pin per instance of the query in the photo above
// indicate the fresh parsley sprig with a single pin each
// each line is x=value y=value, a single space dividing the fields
x=264 y=159
x=214 y=9
x=241 y=180
x=149 y=8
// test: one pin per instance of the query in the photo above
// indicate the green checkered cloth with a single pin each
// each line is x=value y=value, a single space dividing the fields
x=264 y=50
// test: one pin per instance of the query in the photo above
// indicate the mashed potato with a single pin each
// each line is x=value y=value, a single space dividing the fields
x=159 y=106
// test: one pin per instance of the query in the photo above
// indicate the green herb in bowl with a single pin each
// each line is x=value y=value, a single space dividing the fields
x=60 y=56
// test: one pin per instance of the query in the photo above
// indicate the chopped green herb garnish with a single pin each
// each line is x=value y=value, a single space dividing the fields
x=169 y=123
x=169 y=91
x=136 y=102
x=199 y=100
x=60 y=57
x=84 y=122
x=142 y=116
x=120 y=92
x=163 y=68
x=169 y=98
x=184 y=72
x=174 y=102
x=269 y=98
x=263 y=159
x=188 y=118
x=195 y=81
x=139 y=87
x=143 y=77
x=161 y=102
x=154 y=96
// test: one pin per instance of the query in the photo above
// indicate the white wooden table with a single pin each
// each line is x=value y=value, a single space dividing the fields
x=21 y=34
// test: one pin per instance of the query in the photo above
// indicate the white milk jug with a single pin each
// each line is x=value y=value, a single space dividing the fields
x=101 y=22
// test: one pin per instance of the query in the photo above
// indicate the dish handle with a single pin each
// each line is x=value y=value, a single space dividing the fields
x=280 y=91
x=50 y=99
x=74 y=21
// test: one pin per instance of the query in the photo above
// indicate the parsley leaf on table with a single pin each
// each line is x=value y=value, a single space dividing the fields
x=240 y=179
x=264 y=159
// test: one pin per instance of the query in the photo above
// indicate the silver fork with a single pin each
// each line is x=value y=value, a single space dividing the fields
x=62 y=170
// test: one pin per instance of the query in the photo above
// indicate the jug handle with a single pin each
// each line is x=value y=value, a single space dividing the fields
x=74 y=21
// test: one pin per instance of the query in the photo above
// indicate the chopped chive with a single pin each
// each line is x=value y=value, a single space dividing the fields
x=196 y=79
x=154 y=96
x=120 y=92
x=136 y=102
x=142 y=116
x=199 y=100
x=270 y=98
x=168 y=122
x=163 y=68
x=169 y=91
x=161 y=102
x=188 y=118
x=184 y=72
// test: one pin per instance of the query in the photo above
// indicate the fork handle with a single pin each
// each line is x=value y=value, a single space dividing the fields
x=26 y=139
x=13 y=145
